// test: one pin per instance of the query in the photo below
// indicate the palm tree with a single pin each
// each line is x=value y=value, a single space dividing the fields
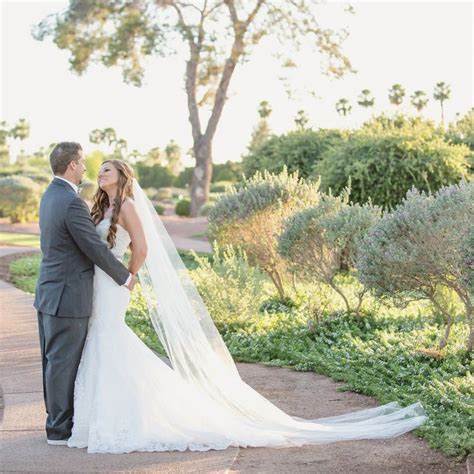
x=261 y=131
x=366 y=99
x=173 y=158
x=419 y=100
x=264 y=109
x=343 y=107
x=301 y=120
x=396 y=94
x=21 y=131
x=4 y=150
x=116 y=147
x=442 y=92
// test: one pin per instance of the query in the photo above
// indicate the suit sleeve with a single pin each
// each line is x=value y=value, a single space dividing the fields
x=82 y=230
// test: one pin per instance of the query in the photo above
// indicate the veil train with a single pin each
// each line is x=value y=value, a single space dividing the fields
x=201 y=359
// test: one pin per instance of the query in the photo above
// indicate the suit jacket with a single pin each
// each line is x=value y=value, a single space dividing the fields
x=70 y=247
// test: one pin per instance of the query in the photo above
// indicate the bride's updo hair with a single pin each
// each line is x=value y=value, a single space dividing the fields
x=101 y=198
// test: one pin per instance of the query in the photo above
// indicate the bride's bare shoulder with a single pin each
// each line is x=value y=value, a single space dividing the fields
x=128 y=205
x=129 y=212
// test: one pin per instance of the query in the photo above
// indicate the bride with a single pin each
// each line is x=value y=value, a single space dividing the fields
x=127 y=399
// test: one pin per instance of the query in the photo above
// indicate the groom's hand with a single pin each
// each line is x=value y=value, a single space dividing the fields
x=132 y=282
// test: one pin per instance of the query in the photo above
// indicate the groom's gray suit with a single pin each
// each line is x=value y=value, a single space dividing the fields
x=70 y=247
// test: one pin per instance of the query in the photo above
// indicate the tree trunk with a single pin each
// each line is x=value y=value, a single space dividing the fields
x=202 y=175
x=444 y=339
x=278 y=283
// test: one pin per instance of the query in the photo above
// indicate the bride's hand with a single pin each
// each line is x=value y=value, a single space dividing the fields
x=133 y=282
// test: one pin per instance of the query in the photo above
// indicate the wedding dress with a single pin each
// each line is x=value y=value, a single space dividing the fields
x=128 y=399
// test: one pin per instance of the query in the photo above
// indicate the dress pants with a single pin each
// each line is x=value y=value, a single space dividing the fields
x=61 y=340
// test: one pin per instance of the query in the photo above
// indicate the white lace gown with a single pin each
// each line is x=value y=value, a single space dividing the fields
x=127 y=399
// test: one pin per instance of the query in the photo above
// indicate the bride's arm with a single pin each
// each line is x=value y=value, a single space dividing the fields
x=133 y=226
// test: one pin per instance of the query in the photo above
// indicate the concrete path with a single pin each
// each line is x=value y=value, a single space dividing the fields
x=14 y=249
x=308 y=395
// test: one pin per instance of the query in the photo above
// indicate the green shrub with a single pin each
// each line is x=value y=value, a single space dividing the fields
x=164 y=193
x=151 y=193
x=319 y=239
x=228 y=171
x=154 y=176
x=184 y=178
x=422 y=245
x=250 y=217
x=160 y=209
x=220 y=186
x=183 y=207
x=462 y=132
x=88 y=189
x=93 y=163
x=230 y=287
x=298 y=150
x=204 y=211
x=19 y=198
x=24 y=272
x=9 y=170
x=384 y=163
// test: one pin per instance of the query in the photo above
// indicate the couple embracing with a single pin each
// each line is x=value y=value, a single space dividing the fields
x=104 y=389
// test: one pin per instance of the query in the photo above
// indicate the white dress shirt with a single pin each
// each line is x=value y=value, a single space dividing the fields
x=76 y=190
x=73 y=186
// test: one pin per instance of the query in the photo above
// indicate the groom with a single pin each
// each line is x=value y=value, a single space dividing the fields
x=70 y=247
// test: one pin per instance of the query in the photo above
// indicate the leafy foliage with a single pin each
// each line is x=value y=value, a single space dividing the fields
x=183 y=207
x=384 y=159
x=154 y=176
x=251 y=216
x=298 y=151
x=319 y=239
x=19 y=198
x=423 y=244
x=462 y=132
x=230 y=287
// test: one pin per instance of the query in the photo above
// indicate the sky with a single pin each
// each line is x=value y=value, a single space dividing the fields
x=413 y=43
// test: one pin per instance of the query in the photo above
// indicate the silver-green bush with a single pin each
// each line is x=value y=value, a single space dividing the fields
x=250 y=217
x=422 y=245
x=230 y=287
x=317 y=241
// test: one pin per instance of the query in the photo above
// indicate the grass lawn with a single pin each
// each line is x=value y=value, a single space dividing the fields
x=13 y=238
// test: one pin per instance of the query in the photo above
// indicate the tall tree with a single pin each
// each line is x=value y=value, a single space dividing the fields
x=20 y=131
x=396 y=94
x=262 y=131
x=442 y=92
x=301 y=120
x=419 y=100
x=218 y=34
x=343 y=107
x=173 y=158
x=154 y=156
x=4 y=148
x=366 y=99
x=117 y=147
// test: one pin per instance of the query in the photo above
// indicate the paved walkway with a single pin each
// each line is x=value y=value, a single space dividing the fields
x=308 y=395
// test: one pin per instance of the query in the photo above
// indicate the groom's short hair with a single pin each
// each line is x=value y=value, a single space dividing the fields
x=63 y=153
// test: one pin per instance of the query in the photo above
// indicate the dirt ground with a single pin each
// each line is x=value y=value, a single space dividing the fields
x=310 y=395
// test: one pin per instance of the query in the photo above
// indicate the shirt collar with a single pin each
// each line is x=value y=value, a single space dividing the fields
x=73 y=186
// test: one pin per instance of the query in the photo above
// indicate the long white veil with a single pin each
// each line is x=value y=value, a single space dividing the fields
x=201 y=359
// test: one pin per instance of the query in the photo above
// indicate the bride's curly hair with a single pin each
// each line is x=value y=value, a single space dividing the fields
x=101 y=198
